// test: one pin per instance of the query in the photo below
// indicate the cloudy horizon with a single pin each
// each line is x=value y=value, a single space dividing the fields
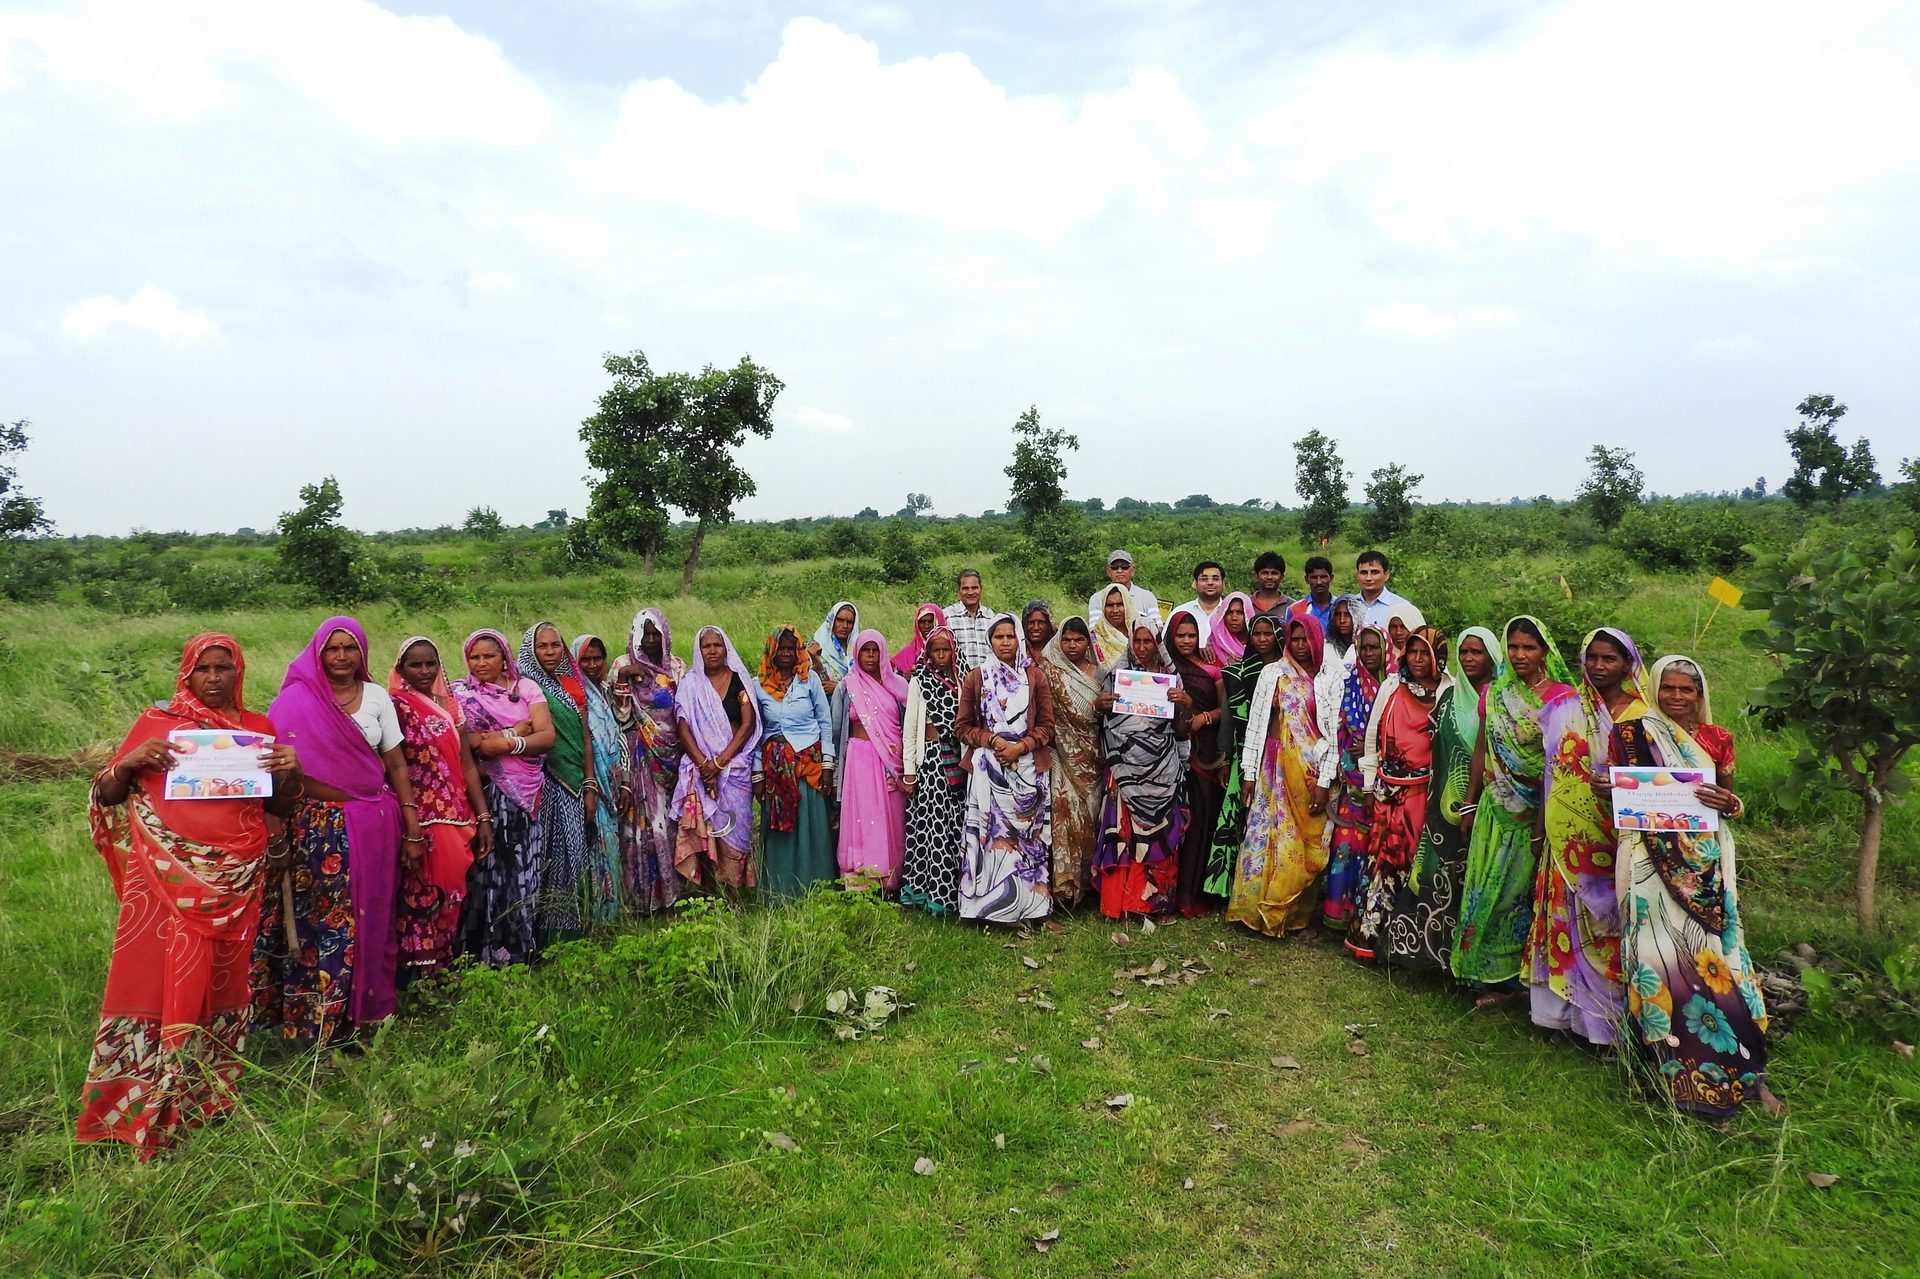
x=249 y=246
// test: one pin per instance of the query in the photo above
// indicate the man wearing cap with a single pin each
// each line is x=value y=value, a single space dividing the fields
x=1146 y=607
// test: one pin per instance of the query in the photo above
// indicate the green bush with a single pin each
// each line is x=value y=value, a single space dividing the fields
x=1683 y=536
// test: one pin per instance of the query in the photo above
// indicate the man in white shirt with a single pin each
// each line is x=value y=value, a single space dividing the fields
x=1209 y=593
x=1146 y=606
x=1373 y=571
x=969 y=622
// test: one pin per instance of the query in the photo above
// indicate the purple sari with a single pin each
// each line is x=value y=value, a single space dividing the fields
x=725 y=816
x=333 y=753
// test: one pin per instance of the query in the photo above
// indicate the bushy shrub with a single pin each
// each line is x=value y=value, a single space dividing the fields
x=1682 y=536
x=902 y=556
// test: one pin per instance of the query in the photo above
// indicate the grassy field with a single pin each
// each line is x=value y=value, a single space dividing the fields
x=673 y=1100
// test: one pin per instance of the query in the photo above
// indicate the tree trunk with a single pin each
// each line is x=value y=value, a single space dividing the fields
x=1869 y=914
x=693 y=558
x=652 y=549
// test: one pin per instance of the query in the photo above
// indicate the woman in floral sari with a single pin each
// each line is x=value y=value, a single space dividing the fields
x=446 y=785
x=1285 y=848
x=1073 y=680
x=606 y=868
x=1352 y=808
x=1006 y=723
x=1693 y=999
x=173 y=1020
x=934 y=778
x=1572 y=958
x=1144 y=786
x=719 y=729
x=1397 y=771
x=571 y=869
x=645 y=680
x=1238 y=679
x=508 y=729
x=1503 y=804
x=1113 y=628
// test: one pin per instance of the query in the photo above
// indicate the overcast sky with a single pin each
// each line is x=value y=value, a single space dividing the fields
x=244 y=245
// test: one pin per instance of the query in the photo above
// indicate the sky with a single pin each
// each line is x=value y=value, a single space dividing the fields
x=244 y=246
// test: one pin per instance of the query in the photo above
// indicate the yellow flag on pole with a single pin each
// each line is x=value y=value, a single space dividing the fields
x=1725 y=592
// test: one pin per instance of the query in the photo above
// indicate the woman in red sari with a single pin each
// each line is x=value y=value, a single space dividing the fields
x=186 y=871
x=446 y=785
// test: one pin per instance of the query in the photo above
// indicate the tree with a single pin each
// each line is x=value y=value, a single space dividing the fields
x=918 y=503
x=1390 y=497
x=19 y=514
x=1613 y=485
x=1321 y=480
x=483 y=523
x=902 y=557
x=1130 y=505
x=1843 y=627
x=1093 y=506
x=1038 y=471
x=663 y=440
x=1195 y=502
x=1824 y=470
x=316 y=550
x=1908 y=489
x=866 y=513
x=555 y=519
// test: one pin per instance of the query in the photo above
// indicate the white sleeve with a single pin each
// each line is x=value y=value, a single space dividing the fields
x=913 y=730
x=1259 y=717
x=1331 y=702
x=384 y=717
x=1370 y=753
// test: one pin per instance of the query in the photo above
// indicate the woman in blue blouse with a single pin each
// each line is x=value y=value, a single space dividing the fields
x=793 y=772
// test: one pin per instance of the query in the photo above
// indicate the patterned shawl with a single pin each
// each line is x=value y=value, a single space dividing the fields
x=1201 y=633
x=940 y=690
x=1356 y=703
x=1356 y=609
x=430 y=725
x=1142 y=758
x=1515 y=746
x=490 y=708
x=772 y=678
x=835 y=657
x=1111 y=644
x=609 y=742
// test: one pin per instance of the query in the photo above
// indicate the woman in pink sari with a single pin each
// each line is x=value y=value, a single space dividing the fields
x=446 y=785
x=867 y=710
x=925 y=619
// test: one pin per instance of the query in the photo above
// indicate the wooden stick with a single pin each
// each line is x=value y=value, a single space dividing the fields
x=286 y=912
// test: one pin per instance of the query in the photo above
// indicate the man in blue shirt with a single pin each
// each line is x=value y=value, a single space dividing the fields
x=1374 y=571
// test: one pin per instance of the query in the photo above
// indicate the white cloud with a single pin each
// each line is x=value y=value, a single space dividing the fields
x=812 y=419
x=1411 y=319
x=829 y=125
x=151 y=310
x=390 y=79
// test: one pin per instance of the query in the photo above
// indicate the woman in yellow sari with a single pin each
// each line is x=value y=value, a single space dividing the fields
x=1284 y=850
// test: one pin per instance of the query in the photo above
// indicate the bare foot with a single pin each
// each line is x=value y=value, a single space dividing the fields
x=1495 y=998
x=1772 y=1104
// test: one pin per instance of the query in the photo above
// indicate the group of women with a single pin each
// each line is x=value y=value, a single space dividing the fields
x=1441 y=806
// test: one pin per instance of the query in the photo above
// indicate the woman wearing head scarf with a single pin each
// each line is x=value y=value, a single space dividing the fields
x=1073 y=684
x=573 y=871
x=1036 y=628
x=606 y=863
x=1229 y=639
x=1343 y=617
x=1113 y=627
x=868 y=708
x=1572 y=957
x=925 y=619
x=934 y=777
x=356 y=822
x=1006 y=723
x=1285 y=848
x=508 y=728
x=446 y=785
x=719 y=729
x=645 y=679
x=1352 y=809
x=173 y=1019
x=1403 y=619
x=1206 y=763
x=1144 y=784
x=1693 y=1002
x=793 y=769
x=1503 y=805
x=1420 y=908
x=1396 y=767
x=831 y=649
x=1237 y=682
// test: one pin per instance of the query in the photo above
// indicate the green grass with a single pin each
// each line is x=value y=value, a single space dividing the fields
x=631 y=1136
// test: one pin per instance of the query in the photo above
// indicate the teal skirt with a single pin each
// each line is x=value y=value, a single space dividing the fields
x=799 y=860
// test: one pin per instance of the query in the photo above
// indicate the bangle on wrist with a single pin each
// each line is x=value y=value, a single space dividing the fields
x=485 y=821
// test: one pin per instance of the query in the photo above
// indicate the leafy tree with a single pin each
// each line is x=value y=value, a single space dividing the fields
x=318 y=552
x=900 y=552
x=19 y=514
x=1093 y=506
x=1908 y=490
x=555 y=519
x=1195 y=502
x=867 y=513
x=1038 y=471
x=1613 y=485
x=918 y=503
x=1824 y=470
x=1390 y=495
x=483 y=523
x=1843 y=627
x=1130 y=505
x=1321 y=480
x=663 y=440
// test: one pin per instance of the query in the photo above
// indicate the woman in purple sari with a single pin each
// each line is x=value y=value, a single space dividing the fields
x=347 y=846
x=713 y=798
x=1006 y=723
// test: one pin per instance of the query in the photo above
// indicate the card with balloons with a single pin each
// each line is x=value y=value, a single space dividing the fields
x=1662 y=800
x=216 y=763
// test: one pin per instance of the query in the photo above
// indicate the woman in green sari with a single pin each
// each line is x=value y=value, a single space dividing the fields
x=1498 y=820
x=1239 y=677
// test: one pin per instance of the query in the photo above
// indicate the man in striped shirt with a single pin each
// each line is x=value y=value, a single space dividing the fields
x=969 y=622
